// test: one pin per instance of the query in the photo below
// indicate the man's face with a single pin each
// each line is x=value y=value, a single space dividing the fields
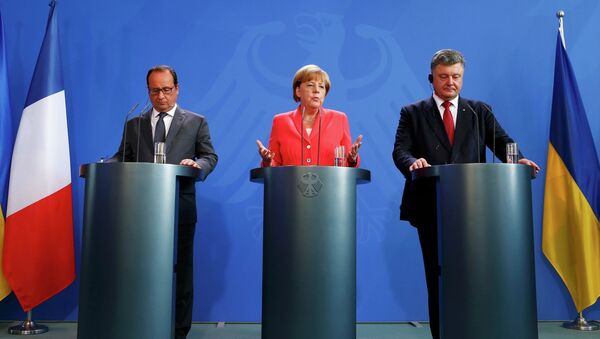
x=447 y=80
x=162 y=90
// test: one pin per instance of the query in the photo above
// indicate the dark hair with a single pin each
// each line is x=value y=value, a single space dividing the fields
x=447 y=57
x=162 y=68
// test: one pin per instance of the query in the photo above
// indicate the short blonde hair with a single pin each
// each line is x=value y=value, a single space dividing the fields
x=308 y=73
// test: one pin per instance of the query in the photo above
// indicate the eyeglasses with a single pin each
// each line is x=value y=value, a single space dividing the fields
x=165 y=90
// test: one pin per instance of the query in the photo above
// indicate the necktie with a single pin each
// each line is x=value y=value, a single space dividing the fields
x=159 y=131
x=448 y=121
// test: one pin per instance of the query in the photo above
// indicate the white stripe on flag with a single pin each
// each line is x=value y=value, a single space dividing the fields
x=40 y=164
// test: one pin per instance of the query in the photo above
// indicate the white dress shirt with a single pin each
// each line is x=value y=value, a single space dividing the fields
x=167 y=119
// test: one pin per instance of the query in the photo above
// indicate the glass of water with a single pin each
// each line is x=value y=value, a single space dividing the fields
x=340 y=156
x=160 y=156
x=512 y=153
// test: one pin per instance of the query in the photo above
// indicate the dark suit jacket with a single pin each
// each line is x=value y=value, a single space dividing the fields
x=188 y=138
x=421 y=134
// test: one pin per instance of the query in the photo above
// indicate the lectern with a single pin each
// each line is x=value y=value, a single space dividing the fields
x=309 y=251
x=485 y=247
x=127 y=260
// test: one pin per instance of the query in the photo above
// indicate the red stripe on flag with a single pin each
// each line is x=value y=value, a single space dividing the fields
x=39 y=256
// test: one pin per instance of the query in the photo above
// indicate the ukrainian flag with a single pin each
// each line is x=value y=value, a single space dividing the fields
x=6 y=146
x=571 y=231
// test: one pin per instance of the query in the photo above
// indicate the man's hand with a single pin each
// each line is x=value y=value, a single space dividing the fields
x=534 y=167
x=419 y=163
x=189 y=162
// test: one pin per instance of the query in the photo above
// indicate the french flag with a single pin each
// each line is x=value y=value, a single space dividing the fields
x=38 y=258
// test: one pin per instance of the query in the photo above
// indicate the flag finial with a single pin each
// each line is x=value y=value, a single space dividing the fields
x=560 y=15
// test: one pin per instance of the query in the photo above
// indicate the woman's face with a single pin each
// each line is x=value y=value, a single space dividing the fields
x=311 y=93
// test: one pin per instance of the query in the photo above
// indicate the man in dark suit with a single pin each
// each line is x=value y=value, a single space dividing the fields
x=443 y=129
x=187 y=142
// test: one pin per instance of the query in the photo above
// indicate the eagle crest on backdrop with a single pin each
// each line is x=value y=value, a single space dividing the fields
x=255 y=85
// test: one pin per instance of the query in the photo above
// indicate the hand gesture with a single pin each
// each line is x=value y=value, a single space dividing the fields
x=264 y=152
x=353 y=155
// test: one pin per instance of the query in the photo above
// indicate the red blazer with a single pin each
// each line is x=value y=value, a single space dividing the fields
x=285 y=142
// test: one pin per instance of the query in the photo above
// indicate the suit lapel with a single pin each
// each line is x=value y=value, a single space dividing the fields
x=146 y=132
x=464 y=128
x=176 y=124
x=434 y=120
x=297 y=117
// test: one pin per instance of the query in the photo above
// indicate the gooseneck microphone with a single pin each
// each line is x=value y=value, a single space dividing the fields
x=493 y=132
x=302 y=137
x=139 y=132
x=319 y=139
x=125 y=130
x=477 y=123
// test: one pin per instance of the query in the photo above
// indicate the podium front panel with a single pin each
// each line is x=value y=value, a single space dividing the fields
x=309 y=253
x=127 y=279
x=485 y=237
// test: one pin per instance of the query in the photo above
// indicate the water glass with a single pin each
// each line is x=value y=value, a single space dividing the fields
x=160 y=156
x=340 y=156
x=512 y=153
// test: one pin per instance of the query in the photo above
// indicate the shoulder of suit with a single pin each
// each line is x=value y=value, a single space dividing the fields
x=420 y=105
x=188 y=114
x=475 y=104
x=333 y=113
x=284 y=116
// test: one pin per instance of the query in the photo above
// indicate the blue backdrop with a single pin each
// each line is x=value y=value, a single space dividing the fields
x=235 y=61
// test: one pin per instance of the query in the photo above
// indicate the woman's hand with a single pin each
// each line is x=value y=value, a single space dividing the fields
x=353 y=154
x=265 y=154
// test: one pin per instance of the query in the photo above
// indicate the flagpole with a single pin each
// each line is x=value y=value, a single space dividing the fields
x=28 y=327
x=580 y=323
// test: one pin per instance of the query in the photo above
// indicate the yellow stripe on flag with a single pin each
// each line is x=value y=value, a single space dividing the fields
x=571 y=234
x=4 y=287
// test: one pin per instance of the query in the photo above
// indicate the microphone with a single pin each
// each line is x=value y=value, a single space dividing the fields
x=125 y=130
x=493 y=132
x=319 y=139
x=302 y=137
x=476 y=122
x=137 y=152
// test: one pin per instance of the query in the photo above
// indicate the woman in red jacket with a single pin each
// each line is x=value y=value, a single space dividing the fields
x=309 y=135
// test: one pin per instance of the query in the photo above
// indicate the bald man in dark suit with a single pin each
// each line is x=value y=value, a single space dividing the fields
x=443 y=129
x=187 y=142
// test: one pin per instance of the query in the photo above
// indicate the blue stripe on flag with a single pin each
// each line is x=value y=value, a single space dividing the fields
x=6 y=126
x=570 y=132
x=47 y=77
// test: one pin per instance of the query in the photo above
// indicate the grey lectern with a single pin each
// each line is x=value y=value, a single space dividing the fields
x=485 y=241
x=129 y=226
x=309 y=251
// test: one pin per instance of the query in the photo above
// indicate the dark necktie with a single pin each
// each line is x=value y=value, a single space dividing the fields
x=448 y=121
x=160 y=131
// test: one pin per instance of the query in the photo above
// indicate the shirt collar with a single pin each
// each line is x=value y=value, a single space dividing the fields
x=169 y=113
x=439 y=101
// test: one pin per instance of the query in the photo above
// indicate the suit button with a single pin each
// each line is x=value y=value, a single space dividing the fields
x=308 y=146
x=308 y=160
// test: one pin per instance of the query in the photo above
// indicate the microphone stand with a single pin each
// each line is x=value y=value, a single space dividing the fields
x=125 y=130
x=137 y=152
x=477 y=123
x=493 y=132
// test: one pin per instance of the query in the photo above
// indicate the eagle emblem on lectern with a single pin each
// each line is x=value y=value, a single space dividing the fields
x=309 y=184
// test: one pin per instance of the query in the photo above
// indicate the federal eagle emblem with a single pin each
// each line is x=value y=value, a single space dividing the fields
x=309 y=185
